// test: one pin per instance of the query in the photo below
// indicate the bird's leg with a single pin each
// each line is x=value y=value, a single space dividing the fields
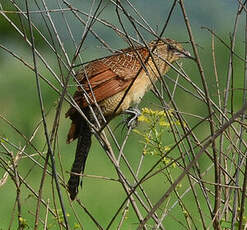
x=134 y=113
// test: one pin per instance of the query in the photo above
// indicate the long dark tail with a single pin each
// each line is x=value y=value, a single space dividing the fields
x=83 y=146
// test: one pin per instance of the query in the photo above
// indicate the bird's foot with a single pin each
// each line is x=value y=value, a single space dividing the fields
x=132 y=119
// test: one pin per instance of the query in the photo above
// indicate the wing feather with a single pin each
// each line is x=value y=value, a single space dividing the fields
x=104 y=78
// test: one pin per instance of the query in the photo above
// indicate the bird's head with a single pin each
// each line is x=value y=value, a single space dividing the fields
x=169 y=49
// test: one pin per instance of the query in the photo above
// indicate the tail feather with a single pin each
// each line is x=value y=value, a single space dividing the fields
x=83 y=146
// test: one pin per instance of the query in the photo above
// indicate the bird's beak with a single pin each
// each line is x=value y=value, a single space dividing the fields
x=183 y=54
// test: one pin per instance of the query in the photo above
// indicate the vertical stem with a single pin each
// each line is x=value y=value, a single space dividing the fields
x=211 y=123
x=236 y=177
x=244 y=187
x=49 y=153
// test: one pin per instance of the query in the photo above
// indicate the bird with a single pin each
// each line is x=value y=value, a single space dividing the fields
x=110 y=86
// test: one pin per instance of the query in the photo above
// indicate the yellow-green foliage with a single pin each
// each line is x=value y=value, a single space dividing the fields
x=157 y=124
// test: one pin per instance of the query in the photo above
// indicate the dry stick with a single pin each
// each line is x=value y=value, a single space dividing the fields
x=13 y=215
x=29 y=141
x=57 y=35
x=54 y=49
x=131 y=20
x=243 y=7
x=36 y=222
x=56 y=117
x=68 y=28
x=200 y=92
x=16 y=180
x=232 y=83
x=180 y=197
x=75 y=12
x=86 y=30
x=124 y=182
x=244 y=186
x=51 y=46
x=105 y=23
x=174 y=132
x=221 y=162
x=89 y=214
x=186 y=213
x=34 y=11
x=180 y=120
x=210 y=110
x=200 y=183
x=16 y=175
x=226 y=96
x=230 y=71
x=30 y=44
x=190 y=165
x=36 y=195
x=46 y=215
x=3 y=180
x=170 y=179
x=223 y=115
x=140 y=16
x=197 y=180
x=135 y=176
x=88 y=25
x=55 y=123
x=209 y=156
x=231 y=47
x=30 y=188
x=31 y=68
x=78 y=219
x=215 y=70
x=44 y=119
x=150 y=170
x=19 y=155
x=227 y=157
x=125 y=212
x=126 y=185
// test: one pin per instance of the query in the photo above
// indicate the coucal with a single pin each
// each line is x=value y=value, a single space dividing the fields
x=114 y=83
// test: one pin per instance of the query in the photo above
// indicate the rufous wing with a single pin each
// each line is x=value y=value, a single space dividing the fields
x=104 y=78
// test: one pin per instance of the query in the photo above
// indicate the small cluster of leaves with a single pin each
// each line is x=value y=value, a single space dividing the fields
x=228 y=224
x=157 y=126
x=22 y=223
x=60 y=220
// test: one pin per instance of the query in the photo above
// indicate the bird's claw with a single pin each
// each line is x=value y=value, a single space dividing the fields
x=132 y=119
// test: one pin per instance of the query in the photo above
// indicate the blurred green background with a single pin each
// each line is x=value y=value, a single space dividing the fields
x=19 y=103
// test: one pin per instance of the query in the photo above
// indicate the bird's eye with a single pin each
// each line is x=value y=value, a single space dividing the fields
x=171 y=48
